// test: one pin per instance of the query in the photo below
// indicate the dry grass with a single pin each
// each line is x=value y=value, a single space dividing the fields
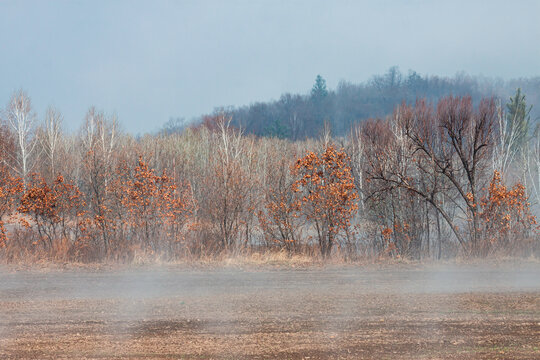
x=244 y=258
x=270 y=258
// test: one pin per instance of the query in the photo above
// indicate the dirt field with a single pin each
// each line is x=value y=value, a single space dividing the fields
x=401 y=312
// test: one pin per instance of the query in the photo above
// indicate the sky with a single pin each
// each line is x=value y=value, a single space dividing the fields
x=148 y=61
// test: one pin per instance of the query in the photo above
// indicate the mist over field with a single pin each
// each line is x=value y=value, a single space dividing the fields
x=269 y=180
x=403 y=311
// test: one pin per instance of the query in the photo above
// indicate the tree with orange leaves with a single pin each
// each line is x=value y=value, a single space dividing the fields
x=10 y=188
x=506 y=214
x=326 y=193
x=156 y=207
x=54 y=209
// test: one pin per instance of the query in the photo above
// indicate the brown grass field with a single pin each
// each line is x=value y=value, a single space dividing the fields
x=403 y=311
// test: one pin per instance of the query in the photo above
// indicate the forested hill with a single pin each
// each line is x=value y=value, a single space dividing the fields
x=296 y=116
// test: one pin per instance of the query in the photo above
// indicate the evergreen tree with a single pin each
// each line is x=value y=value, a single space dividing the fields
x=518 y=120
x=319 y=91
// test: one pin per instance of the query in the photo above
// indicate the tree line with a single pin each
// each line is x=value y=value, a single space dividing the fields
x=431 y=180
x=297 y=116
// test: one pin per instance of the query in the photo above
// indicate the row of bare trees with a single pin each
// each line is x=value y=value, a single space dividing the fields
x=431 y=180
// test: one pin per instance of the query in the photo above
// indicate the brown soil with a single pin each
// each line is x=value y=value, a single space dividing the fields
x=284 y=314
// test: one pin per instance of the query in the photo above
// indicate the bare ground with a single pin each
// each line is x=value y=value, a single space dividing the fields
x=403 y=312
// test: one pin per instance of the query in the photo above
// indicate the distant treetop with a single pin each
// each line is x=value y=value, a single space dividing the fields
x=319 y=90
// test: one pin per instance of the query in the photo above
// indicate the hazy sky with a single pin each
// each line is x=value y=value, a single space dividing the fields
x=150 y=60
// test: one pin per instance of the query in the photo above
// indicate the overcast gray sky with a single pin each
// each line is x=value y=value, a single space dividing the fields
x=150 y=60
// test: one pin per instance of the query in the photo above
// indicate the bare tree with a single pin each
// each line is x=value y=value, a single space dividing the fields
x=224 y=182
x=21 y=119
x=356 y=152
x=454 y=143
x=509 y=140
x=463 y=150
x=532 y=158
x=50 y=136
x=99 y=141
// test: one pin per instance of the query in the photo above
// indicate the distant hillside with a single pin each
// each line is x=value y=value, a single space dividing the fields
x=296 y=116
